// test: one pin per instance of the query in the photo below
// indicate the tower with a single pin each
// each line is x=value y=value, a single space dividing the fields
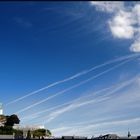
x=129 y=134
x=1 y=109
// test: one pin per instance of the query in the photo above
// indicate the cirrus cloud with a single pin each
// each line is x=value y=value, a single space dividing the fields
x=107 y=6
x=124 y=22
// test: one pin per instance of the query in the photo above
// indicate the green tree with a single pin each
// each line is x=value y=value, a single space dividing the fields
x=6 y=124
x=11 y=120
x=6 y=130
x=48 y=133
x=39 y=133
x=29 y=134
x=18 y=134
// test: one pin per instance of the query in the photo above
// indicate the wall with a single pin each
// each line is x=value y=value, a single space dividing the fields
x=6 y=137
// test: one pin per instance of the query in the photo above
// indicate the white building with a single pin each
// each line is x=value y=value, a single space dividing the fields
x=27 y=127
x=1 y=109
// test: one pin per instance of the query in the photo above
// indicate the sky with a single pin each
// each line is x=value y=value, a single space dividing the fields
x=72 y=67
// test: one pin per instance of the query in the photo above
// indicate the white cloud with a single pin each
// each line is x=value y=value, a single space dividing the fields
x=107 y=6
x=121 y=25
x=124 y=22
x=23 y=22
x=136 y=12
x=135 y=47
x=138 y=81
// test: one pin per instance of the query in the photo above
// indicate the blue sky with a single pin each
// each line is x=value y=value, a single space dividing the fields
x=71 y=66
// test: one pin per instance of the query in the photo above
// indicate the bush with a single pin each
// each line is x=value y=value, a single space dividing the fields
x=6 y=130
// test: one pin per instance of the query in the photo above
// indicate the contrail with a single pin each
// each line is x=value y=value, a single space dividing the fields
x=73 y=77
x=75 y=105
x=64 y=104
x=49 y=109
x=55 y=114
x=72 y=87
x=116 y=87
x=89 y=125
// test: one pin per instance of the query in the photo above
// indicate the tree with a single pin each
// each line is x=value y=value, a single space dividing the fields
x=11 y=120
x=29 y=134
x=6 y=130
x=48 y=133
x=7 y=123
x=18 y=134
x=39 y=133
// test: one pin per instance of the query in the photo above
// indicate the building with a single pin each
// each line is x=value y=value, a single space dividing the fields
x=74 y=137
x=108 y=136
x=1 y=109
x=26 y=128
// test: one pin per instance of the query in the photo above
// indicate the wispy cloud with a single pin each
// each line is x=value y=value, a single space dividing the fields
x=82 y=101
x=108 y=125
x=72 y=87
x=67 y=103
x=124 y=22
x=110 y=90
x=89 y=127
x=35 y=115
x=73 y=77
x=23 y=22
x=107 y=6
x=55 y=114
